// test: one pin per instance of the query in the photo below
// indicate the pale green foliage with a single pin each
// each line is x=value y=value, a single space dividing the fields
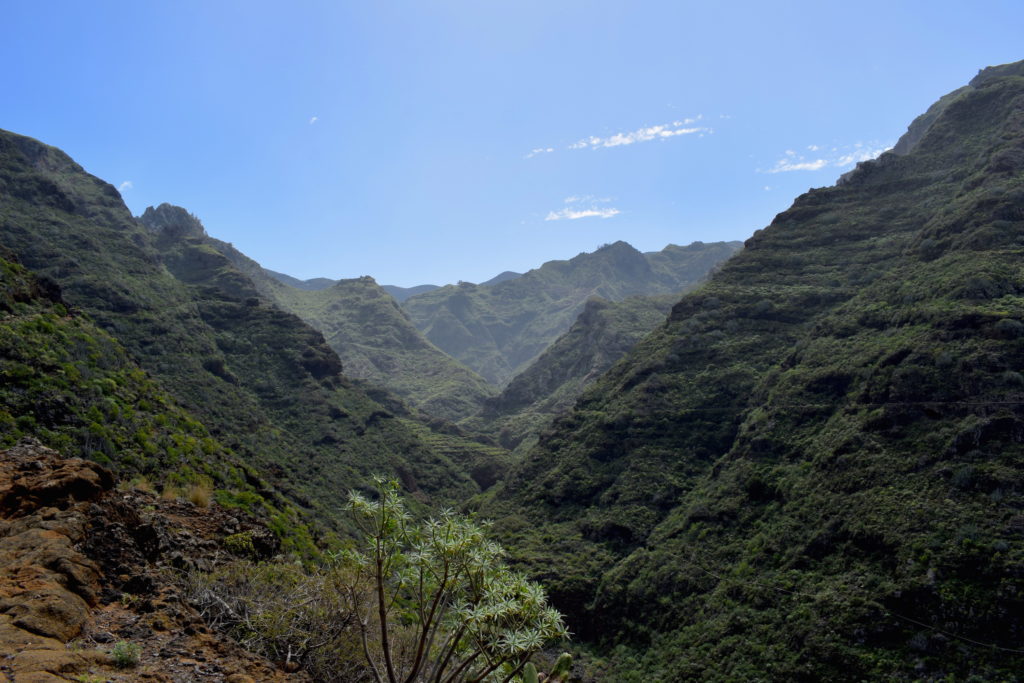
x=285 y=612
x=444 y=605
x=125 y=654
x=560 y=671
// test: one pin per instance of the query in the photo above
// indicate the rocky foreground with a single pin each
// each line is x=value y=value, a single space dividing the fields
x=88 y=578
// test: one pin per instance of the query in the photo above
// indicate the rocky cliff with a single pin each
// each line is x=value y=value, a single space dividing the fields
x=87 y=578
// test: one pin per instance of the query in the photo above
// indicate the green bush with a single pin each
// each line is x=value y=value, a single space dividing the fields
x=125 y=654
x=240 y=544
x=442 y=602
x=419 y=602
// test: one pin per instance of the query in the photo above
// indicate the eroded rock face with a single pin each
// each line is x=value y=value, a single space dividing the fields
x=47 y=587
x=84 y=566
x=39 y=477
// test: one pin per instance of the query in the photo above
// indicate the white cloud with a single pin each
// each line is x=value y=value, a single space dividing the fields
x=126 y=185
x=659 y=132
x=313 y=119
x=840 y=157
x=791 y=164
x=573 y=214
x=861 y=153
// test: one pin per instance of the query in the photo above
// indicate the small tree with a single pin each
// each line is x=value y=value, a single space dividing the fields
x=444 y=605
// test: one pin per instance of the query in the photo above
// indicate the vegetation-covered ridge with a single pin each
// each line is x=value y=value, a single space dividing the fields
x=361 y=322
x=601 y=335
x=813 y=470
x=265 y=384
x=71 y=385
x=499 y=329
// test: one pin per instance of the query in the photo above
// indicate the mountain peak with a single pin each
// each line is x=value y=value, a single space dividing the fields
x=923 y=123
x=990 y=72
x=616 y=246
x=172 y=221
x=503 y=276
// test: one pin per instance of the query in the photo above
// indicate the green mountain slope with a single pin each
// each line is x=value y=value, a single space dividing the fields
x=68 y=382
x=497 y=330
x=359 y=320
x=813 y=471
x=71 y=385
x=376 y=341
x=602 y=334
x=262 y=381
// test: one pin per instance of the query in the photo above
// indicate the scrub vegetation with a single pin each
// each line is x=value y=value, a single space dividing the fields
x=809 y=467
x=813 y=470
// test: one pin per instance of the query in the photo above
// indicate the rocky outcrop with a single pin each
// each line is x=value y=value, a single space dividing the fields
x=47 y=587
x=85 y=569
x=172 y=220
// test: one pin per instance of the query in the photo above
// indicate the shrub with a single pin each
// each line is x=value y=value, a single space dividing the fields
x=444 y=605
x=171 y=493
x=286 y=613
x=125 y=654
x=200 y=494
x=240 y=544
x=420 y=602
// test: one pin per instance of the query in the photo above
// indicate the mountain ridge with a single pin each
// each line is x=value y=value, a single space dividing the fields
x=813 y=470
x=258 y=378
x=498 y=330
x=603 y=333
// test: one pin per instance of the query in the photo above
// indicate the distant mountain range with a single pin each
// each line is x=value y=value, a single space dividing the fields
x=498 y=330
x=378 y=341
x=399 y=293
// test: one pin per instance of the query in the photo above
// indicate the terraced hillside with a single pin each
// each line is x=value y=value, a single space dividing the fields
x=813 y=471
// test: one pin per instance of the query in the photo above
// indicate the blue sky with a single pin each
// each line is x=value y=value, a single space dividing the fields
x=435 y=141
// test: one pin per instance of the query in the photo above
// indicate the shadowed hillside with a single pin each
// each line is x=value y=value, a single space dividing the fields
x=360 y=322
x=813 y=471
x=601 y=335
x=263 y=382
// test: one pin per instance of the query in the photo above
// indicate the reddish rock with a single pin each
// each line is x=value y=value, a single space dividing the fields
x=72 y=548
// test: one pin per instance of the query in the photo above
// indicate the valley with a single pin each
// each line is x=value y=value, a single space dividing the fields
x=795 y=458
